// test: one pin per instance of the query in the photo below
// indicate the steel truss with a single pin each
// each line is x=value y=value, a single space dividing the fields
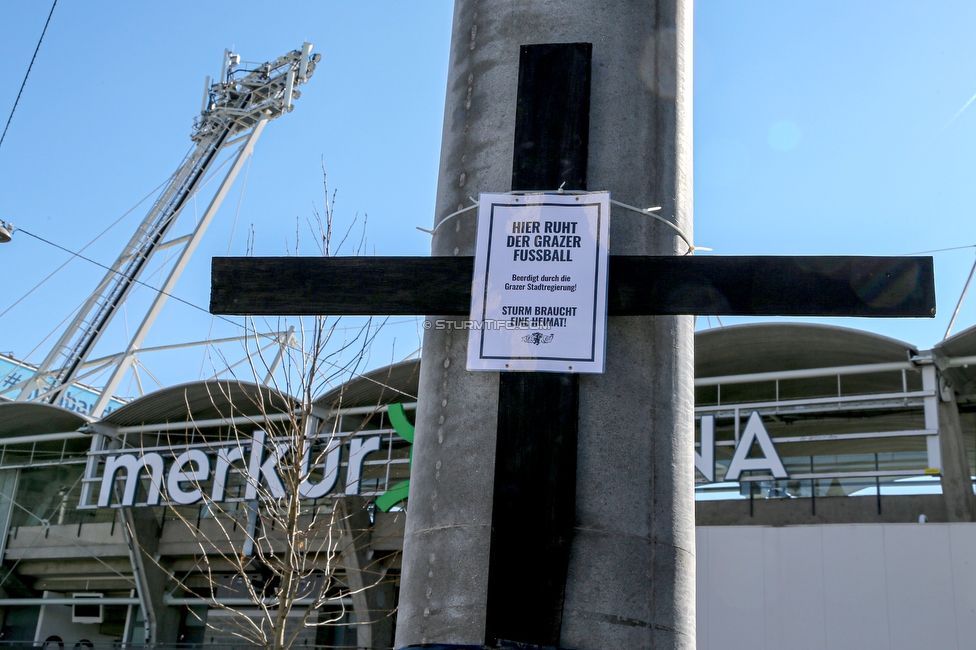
x=235 y=111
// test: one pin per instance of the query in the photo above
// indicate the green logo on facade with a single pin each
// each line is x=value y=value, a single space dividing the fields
x=404 y=429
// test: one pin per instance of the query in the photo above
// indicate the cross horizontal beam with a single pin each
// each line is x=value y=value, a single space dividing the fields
x=705 y=286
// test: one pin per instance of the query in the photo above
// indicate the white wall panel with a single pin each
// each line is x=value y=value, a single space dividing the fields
x=962 y=548
x=857 y=586
x=794 y=617
x=736 y=593
x=701 y=595
x=920 y=594
x=855 y=599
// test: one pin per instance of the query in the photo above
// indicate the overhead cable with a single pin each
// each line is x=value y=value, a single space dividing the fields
x=24 y=83
x=108 y=268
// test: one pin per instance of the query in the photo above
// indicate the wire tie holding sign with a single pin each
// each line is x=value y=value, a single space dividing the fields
x=448 y=217
x=649 y=212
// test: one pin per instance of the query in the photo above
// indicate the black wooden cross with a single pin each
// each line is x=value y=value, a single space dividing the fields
x=536 y=448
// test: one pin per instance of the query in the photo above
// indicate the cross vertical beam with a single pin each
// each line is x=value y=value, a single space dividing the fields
x=534 y=497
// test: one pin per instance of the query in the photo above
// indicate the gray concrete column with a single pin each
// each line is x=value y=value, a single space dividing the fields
x=365 y=576
x=142 y=533
x=957 y=486
x=9 y=479
x=632 y=570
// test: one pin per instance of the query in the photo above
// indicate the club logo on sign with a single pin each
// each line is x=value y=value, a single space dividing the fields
x=537 y=338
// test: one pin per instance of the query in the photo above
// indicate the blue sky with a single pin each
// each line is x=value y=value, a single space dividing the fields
x=820 y=128
x=828 y=127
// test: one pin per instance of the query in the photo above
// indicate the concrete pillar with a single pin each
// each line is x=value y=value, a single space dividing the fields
x=632 y=569
x=957 y=486
x=372 y=593
x=9 y=478
x=142 y=533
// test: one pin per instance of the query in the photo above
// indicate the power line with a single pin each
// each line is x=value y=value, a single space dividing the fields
x=943 y=250
x=157 y=290
x=71 y=259
x=21 y=92
x=137 y=281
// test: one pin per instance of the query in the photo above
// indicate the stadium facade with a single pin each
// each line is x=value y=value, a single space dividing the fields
x=835 y=501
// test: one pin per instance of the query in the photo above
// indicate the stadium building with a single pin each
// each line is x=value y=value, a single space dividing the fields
x=835 y=501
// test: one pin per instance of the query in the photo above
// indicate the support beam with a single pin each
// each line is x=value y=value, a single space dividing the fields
x=9 y=479
x=956 y=476
x=710 y=285
x=33 y=602
x=373 y=595
x=142 y=533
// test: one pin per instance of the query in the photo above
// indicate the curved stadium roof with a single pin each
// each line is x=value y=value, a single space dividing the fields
x=397 y=383
x=28 y=419
x=772 y=347
x=204 y=400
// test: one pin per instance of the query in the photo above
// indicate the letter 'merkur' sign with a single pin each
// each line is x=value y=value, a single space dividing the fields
x=191 y=471
x=539 y=296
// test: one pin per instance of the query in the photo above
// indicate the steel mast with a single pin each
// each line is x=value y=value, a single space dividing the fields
x=235 y=110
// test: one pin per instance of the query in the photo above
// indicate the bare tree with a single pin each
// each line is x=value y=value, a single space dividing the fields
x=278 y=546
x=276 y=552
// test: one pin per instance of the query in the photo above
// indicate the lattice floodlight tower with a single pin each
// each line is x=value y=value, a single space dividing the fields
x=235 y=110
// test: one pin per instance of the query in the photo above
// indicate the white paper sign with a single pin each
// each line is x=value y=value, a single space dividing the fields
x=539 y=297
